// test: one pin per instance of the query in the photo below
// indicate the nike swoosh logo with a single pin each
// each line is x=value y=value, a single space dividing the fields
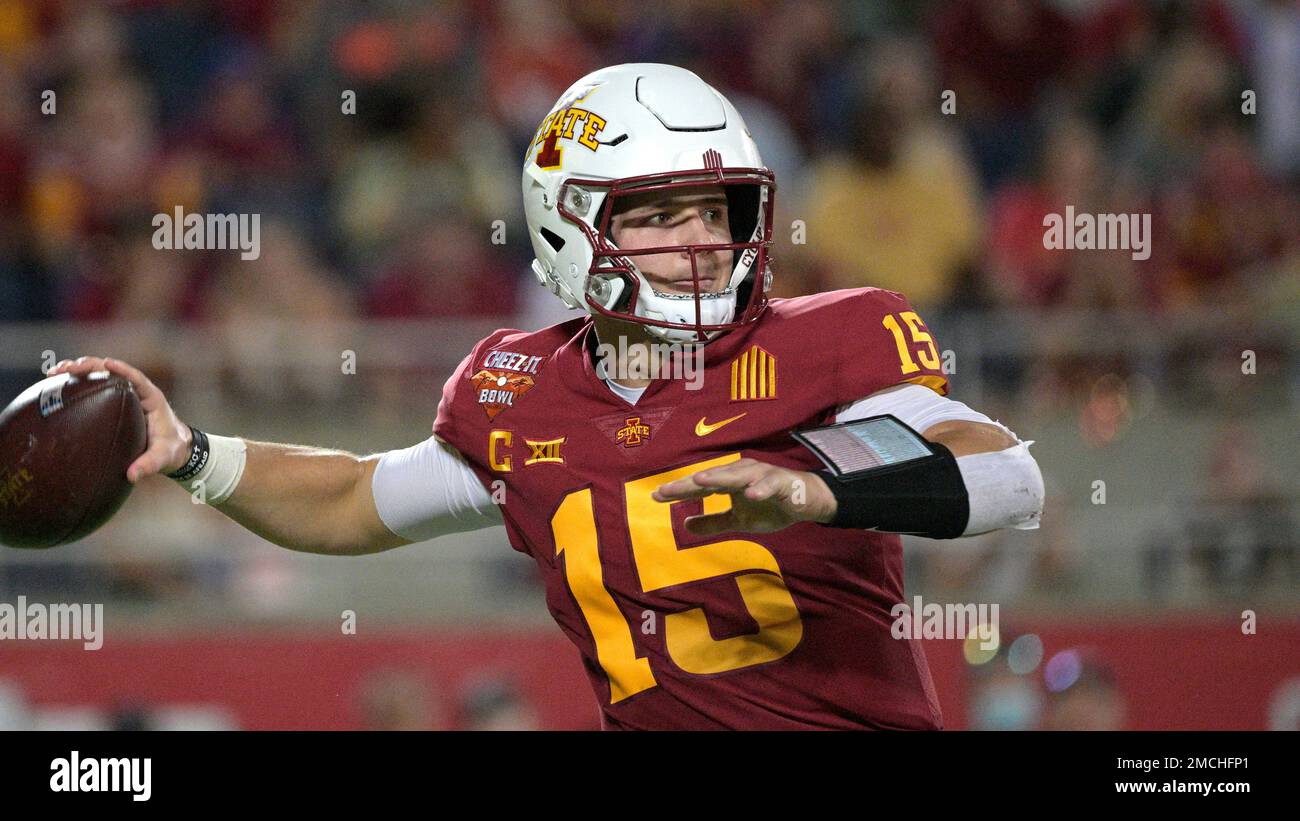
x=703 y=429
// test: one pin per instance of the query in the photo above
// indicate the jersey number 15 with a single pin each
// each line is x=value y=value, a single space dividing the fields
x=661 y=563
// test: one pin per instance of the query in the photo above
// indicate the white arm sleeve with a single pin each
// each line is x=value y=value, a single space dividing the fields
x=429 y=490
x=916 y=406
x=1005 y=487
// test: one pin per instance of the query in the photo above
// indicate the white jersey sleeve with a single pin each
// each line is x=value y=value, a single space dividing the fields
x=916 y=406
x=429 y=490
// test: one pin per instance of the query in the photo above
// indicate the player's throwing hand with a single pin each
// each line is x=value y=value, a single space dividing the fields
x=169 y=438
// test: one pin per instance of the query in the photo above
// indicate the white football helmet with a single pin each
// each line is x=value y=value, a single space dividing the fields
x=630 y=129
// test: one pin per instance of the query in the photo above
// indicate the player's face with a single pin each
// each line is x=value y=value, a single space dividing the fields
x=684 y=216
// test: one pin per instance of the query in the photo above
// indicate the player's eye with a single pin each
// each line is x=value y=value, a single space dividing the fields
x=713 y=213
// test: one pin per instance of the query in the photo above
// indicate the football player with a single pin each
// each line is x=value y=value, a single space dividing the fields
x=713 y=570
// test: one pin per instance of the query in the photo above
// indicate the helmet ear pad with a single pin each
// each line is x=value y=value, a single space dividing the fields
x=744 y=213
x=624 y=282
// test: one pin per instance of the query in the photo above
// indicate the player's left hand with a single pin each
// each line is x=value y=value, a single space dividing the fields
x=764 y=497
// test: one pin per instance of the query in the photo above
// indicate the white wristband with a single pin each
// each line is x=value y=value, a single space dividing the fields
x=217 y=481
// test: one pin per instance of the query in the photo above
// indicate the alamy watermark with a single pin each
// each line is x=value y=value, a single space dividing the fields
x=33 y=620
x=77 y=774
x=208 y=232
x=1100 y=232
x=652 y=360
x=946 y=621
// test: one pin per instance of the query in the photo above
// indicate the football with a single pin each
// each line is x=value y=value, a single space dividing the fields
x=65 y=445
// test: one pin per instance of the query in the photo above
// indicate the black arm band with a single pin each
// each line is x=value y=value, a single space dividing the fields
x=926 y=497
x=199 y=455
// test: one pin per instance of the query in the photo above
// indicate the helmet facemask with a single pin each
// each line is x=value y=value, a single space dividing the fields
x=616 y=287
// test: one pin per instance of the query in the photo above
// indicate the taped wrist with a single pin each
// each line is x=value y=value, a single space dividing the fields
x=215 y=466
x=925 y=497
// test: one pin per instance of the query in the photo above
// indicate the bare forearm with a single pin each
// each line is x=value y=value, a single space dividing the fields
x=303 y=498
x=309 y=499
x=966 y=438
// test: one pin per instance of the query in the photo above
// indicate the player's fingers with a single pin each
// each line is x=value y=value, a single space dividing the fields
x=732 y=477
x=150 y=396
x=147 y=464
x=723 y=479
x=727 y=478
x=157 y=458
x=767 y=486
x=681 y=489
x=712 y=524
x=80 y=366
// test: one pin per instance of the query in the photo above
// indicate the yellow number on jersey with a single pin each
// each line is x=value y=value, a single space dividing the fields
x=574 y=528
x=929 y=356
x=660 y=563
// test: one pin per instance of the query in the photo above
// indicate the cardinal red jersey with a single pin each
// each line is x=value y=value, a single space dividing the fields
x=783 y=630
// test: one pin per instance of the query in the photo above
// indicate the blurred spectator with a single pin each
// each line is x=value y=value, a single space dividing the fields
x=1186 y=91
x=121 y=276
x=451 y=157
x=130 y=716
x=15 y=711
x=399 y=700
x=493 y=703
x=1002 y=700
x=1118 y=41
x=443 y=268
x=899 y=209
x=529 y=60
x=1284 y=708
x=1223 y=221
x=285 y=299
x=1092 y=702
x=999 y=57
x=1007 y=565
x=1274 y=38
x=241 y=149
x=1021 y=272
x=1242 y=529
x=803 y=64
x=1238 y=537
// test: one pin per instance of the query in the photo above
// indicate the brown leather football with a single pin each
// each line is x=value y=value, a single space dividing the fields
x=65 y=445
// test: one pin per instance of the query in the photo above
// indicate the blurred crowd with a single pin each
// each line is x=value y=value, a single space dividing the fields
x=1111 y=106
x=918 y=146
x=387 y=698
